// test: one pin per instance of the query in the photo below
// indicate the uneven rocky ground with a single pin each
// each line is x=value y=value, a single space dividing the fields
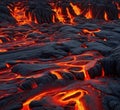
x=60 y=66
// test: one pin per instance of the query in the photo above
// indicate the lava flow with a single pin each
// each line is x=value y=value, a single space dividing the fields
x=78 y=64
x=61 y=98
x=61 y=12
x=59 y=55
x=19 y=13
x=75 y=96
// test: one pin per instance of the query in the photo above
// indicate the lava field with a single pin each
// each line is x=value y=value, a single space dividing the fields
x=59 y=54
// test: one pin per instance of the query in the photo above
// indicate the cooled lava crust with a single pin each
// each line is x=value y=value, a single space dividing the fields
x=59 y=55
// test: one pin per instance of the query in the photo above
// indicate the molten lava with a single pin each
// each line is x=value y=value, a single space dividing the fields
x=78 y=63
x=75 y=96
x=76 y=9
x=65 y=66
x=19 y=14
x=88 y=15
x=61 y=14
x=37 y=97
x=106 y=16
x=90 y=32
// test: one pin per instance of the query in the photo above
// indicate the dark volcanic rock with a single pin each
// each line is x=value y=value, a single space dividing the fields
x=95 y=71
x=28 y=84
x=40 y=10
x=46 y=79
x=109 y=35
x=105 y=50
x=111 y=64
x=33 y=55
x=28 y=69
x=5 y=15
x=15 y=106
x=89 y=26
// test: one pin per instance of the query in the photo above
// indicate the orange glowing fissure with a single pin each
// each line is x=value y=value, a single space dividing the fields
x=77 y=62
x=63 y=97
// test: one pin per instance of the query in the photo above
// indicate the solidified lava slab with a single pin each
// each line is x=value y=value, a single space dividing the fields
x=62 y=65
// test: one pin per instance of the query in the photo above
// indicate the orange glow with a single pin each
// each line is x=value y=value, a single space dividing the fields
x=61 y=98
x=103 y=72
x=37 y=97
x=91 y=32
x=106 y=16
x=65 y=97
x=118 y=7
x=119 y=15
x=53 y=18
x=8 y=65
x=77 y=62
x=56 y=73
x=76 y=9
x=3 y=50
x=70 y=16
x=59 y=14
x=19 y=14
x=1 y=41
x=88 y=15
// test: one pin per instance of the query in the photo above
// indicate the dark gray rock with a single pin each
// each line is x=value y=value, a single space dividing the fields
x=105 y=50
x=109 y=35
x=28 y=69
x=68 y=29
